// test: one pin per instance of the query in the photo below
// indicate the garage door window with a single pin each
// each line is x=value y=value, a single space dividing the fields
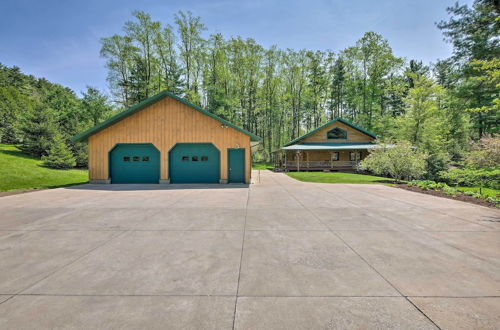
x=194 y=158
x=204 y=158
x=135 y=158
x=145 y=159
x=126 y=159
x=185 y=158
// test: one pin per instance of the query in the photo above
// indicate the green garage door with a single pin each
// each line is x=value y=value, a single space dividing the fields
x=194 y=163
x=135 y=163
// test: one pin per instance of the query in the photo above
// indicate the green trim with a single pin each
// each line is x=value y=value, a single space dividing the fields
x=147 y=102
x=348 y=123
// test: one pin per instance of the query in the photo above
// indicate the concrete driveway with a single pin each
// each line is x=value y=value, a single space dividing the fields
x=279 y=255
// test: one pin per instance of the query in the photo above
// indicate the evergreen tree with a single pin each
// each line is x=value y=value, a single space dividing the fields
x=38 y=130
x=59 y=155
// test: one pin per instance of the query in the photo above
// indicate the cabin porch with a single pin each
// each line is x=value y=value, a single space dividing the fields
x=318 y=160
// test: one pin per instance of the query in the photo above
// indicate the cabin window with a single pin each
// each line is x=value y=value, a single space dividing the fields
x=355 y=156
x=335 y=156
x=194 y=158
x=135 y=158
x=145 y=159
x=185 y=158
x=204 y=158
x=336 y=134
x=126 y=159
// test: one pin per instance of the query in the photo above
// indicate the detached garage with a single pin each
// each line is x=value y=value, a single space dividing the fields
x=166 y=139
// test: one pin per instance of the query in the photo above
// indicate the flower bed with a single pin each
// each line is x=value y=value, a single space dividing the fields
x=443 y=190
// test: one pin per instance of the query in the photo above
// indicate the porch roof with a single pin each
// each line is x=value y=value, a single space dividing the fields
x=331 y=146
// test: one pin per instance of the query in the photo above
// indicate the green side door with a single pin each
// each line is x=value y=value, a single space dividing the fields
x=134 y=163
x=236 y=165
x=194 y=163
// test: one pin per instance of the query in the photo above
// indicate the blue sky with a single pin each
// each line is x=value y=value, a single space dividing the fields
x=59 y=40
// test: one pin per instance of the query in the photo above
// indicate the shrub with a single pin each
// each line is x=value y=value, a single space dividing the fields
x=400 y=161
x=59 y=155
x=485 y=153
x=486 y=177
x=494 y=199
x=432 y=185
x=472 y=194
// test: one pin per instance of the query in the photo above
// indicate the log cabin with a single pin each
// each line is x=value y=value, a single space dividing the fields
x=336 y=145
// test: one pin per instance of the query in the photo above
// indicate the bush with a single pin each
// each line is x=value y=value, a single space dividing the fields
x=400 y=161
x=485 y=153
x=472 y=194
x=59 y=155
x=486 y=177
x=494 y=200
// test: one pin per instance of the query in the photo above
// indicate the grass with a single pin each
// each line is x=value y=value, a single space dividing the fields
x=21 y=171
x=337 y=177
x=487 y=192
x=262 y=166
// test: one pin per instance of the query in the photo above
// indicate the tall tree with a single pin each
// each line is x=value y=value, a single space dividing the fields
x=95 y=105
x=191 y=50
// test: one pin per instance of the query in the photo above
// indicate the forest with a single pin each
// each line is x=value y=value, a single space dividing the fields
x=279 y=94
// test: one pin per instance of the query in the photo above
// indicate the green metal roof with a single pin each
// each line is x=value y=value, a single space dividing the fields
x=331 y=146
x=147 y=102
x=348 y=123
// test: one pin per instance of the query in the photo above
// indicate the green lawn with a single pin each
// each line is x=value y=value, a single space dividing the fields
x=21 y=171
x=262 y=166
x=488 y=192
x=336 y=177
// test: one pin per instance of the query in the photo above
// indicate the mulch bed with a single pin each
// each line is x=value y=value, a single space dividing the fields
x=439 y=193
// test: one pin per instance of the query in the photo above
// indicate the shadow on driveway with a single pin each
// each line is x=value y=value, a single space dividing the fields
x=142 y=186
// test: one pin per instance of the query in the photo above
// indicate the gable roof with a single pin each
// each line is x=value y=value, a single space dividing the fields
x=147 y=102
x=348 y=123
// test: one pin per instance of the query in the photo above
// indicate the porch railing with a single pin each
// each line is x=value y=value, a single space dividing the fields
x=319 y=164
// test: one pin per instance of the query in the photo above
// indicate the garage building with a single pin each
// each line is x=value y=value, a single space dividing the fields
x=166 y=139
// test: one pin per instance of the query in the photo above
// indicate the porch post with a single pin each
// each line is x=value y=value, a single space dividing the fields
x=286 y=152
x=307 y=159
x=298 y=160
x=331 y=160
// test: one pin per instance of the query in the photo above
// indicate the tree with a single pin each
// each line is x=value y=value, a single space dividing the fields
x=13 y=105
x=119 y=53
x=95 y=105
x=191 y=48
x=473 y=32
x=59 y=156
x=400 y=161
x=423 y=124
x=169 y=75
x=38 y=130
x=337 y=88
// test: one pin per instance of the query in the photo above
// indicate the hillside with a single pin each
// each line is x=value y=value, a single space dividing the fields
x=21 y=171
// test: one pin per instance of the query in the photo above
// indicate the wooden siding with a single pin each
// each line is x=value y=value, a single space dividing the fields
x=353 y=135
x=164 y=124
